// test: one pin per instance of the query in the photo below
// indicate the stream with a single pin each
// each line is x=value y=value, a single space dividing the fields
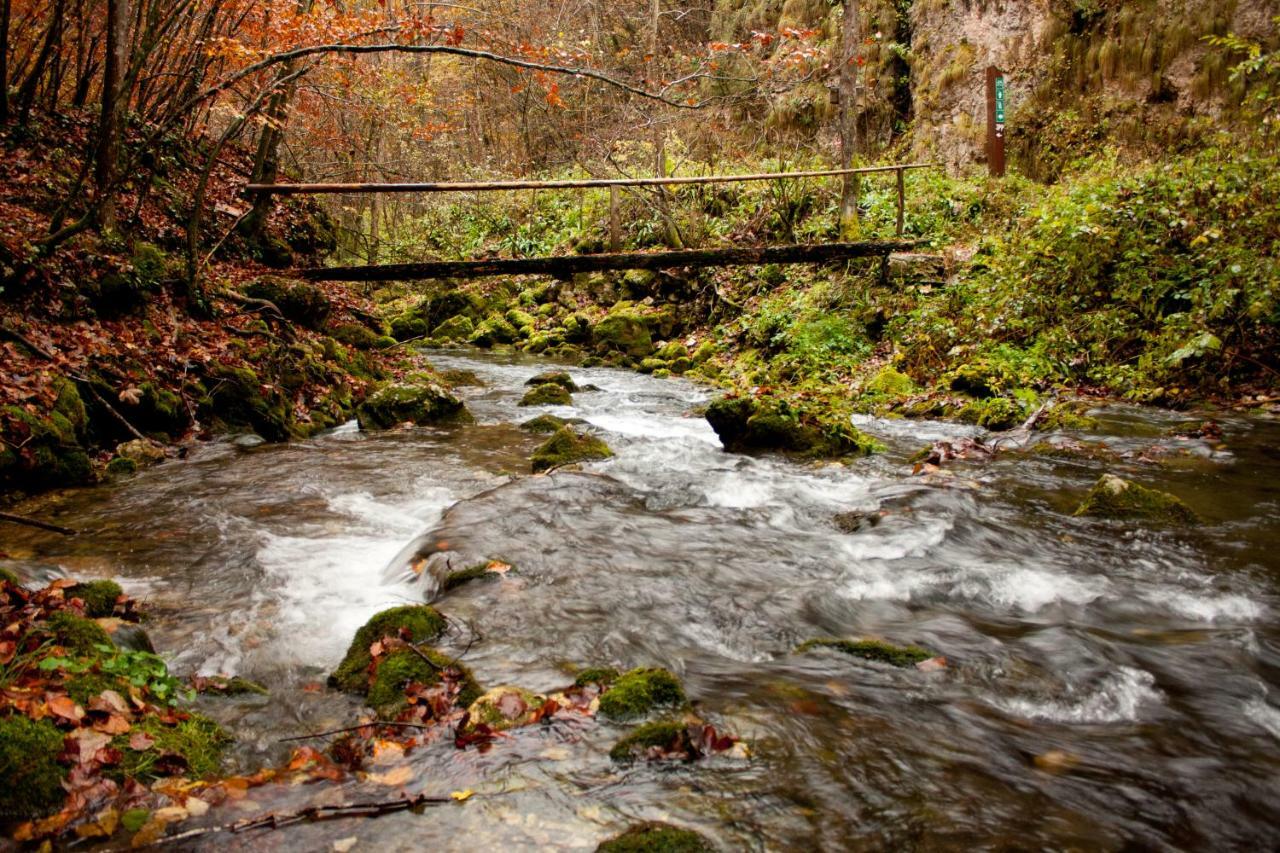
x=1109 y=686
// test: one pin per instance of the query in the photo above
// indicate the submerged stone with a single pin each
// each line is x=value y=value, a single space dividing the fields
x=546 y=424
x=1115 y=498
x=401 y=402
x=505 y=707
x=873 y=650
x=656 y=838
x=639 y=691
x=634 y=745
x=547 y=395
x=480 y=571
x=414 y=623
x=567 y=447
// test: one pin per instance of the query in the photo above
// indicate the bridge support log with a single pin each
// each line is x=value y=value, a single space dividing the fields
x=567 y=265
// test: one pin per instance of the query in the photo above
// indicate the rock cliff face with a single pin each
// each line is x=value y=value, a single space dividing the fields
x=1078 y=72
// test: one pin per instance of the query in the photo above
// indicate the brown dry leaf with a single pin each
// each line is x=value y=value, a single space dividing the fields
x=401 y=775
x=417 y=568
x=387 y=751
x=65 y=707
x=932 y=664
x=196 y=806
x=131 y=395
x=171 y=814
x=342 y=845
x=111 y=701
x=103 y=825
x=498 y=567
x=88 y=742
x=114 y=724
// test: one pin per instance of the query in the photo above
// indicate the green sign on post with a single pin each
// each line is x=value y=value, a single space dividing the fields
x=995 y=121
x=1000 y=100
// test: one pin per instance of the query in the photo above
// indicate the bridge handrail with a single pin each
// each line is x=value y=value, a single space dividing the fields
x=487 y=186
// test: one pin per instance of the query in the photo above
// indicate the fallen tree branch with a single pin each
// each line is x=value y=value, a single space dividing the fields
x=311 y=814
x=347 y=729
x=31 y=522
x=110 y=408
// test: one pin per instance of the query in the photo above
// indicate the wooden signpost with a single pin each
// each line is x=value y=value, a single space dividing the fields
x=995 y=121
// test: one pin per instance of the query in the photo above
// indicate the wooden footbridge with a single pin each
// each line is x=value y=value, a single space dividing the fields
x=566 y=265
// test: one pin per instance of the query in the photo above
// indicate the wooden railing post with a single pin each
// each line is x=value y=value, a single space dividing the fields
x=902 y=201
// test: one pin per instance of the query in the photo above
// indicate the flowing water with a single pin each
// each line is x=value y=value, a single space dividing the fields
x=1109 y=685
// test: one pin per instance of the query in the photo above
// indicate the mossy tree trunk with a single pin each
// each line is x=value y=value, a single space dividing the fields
x=847 y=88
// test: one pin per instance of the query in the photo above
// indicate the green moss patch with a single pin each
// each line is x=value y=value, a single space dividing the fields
x=99 y=597
x=77 y=634
x=195 y=743
x=415 y=623
x=554 y=377
x=656 y=838
x=602 y=675
x=299 y=301
x=1115 y=498
x=746 y=425
x=29 y=766
x=661 y=733
x=544 y=424
x=625 y=332
x=873 y=650
x=640 y=691
x=405 y=402
x=404 y=667
x=546 y=395
x=567 y=447
x=478 y=572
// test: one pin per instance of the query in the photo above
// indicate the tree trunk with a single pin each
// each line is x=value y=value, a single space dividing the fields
x=850 y=38
x=113 y=106
x=660 y=147
x=266 y=162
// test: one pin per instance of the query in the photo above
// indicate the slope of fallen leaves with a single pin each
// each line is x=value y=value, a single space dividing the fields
x=54 y=321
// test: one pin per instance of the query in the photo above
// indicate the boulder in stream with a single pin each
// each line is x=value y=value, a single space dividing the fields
x=99 y=596
x=548 y=394
x=746 y=424
x=419 y=401
x=1115 y=498
x=656 y=838
x=412 y=622
x=567 y=447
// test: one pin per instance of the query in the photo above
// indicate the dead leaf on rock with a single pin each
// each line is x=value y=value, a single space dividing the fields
x=401 y=775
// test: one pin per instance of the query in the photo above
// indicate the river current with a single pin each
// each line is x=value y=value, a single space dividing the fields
x=1109 y=685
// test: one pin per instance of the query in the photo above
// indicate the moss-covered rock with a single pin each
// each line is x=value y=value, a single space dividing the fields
x=457 y=328
x=494 y=329
x=403 y=667
x=158 y=410
x=419 y=402
x=546 y=395
x=577 y=328
x=554 y=377
x=357 y=336
x=705 y=352
x=47 y=451
x=623 y=331
x=141 y=452
x=656 y=838
x=994 y=413
x=873 y=650
x=523 y=321
x=768 y=423
x=672 y=350
x=457 y=377
x=238 y=398
x=639 y=691
x=649 y=365
x=29 y=767
x=544 y=424
x=681 y=366
x=197 y=740
x=85 y=686
x=1066 y=416
x=480 y=571
x=601 y=675
x=408 y=327
x=76 y=634
x=567 y=447
x=505 y=707
x=635 y=744
x=1115 y=498
x=99 y=597
x=414 y=623
x=11 y=577
x=299 y=301
x=890 y=382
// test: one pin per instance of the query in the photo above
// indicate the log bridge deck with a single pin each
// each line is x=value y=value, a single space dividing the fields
x=567 y=265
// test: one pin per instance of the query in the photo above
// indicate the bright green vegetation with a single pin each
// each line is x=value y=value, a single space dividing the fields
x=656 y=838
x=99 y=597
x=105 y=667
x=634 y=744
x=873 y=650
x=29 y=767
x=1114 y=498
x=566 y=447
x=197 y=740
x=419 y=401
x=549 y=394
x=417 y=623
x=406 y=666
x=639 y=691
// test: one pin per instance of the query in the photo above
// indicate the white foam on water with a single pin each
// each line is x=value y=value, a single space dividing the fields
x=1119 y=698
x=325 y=586
x=1028 y=590
x=1209 y=607
x=654 y=426
x=1262 y=712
